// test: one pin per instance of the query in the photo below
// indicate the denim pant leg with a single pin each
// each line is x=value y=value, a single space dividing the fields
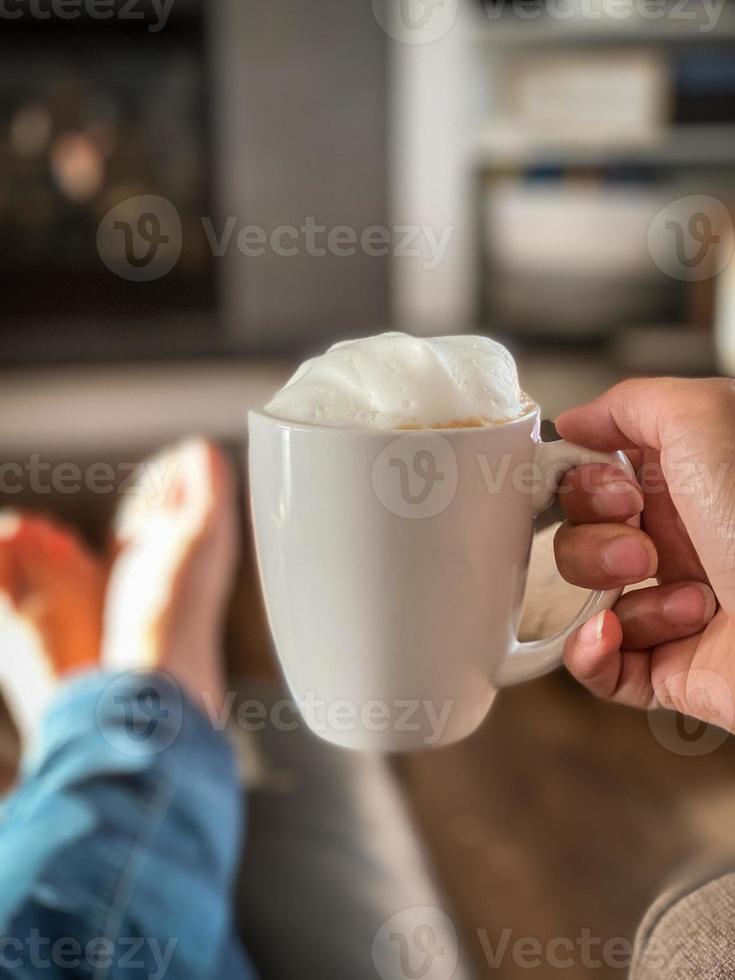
x=119 y=848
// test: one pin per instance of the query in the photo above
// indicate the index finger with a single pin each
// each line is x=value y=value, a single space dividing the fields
x=637 y=413
x=598 y=492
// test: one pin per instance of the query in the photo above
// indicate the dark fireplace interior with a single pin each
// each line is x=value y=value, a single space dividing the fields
x=112 y=109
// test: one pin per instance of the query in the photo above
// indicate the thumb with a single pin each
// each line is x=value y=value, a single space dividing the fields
x=686 y=678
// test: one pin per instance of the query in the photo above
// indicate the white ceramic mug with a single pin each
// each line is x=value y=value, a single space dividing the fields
x=394 y=564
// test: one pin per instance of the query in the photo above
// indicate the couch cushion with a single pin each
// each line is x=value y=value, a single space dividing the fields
x=689 y=932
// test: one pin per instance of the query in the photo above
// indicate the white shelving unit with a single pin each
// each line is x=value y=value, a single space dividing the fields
x=449 y=127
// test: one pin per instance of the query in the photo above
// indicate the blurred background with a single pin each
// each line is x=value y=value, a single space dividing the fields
x=195 y=195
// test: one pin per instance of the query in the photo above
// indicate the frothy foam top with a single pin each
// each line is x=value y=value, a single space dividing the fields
x=393 y=380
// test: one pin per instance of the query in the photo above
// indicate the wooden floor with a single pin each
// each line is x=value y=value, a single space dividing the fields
x=565 y=814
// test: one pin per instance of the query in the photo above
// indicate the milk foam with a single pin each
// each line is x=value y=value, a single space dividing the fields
x=394 y=380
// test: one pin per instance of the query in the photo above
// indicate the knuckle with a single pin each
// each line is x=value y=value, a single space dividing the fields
x=712 y=399
x=721 y=393
x=623 y=390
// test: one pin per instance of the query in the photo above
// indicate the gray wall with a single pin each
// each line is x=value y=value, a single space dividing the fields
x=300 y=130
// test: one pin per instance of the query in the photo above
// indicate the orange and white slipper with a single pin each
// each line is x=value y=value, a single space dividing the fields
x=51 y=602
x=175 y=545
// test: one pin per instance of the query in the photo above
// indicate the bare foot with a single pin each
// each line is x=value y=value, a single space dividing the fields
x=176 y=549
x=51 y=600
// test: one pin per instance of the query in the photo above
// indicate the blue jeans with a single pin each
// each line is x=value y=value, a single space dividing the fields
x=119 y=849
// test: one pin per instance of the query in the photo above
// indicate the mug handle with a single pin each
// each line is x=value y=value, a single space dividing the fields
x=535 y=658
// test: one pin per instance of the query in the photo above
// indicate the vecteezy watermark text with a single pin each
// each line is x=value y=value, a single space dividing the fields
x=704 y=15
x=560 y=952
x=152 y=479
x=312 y=238
x=338 y=716
x=38 y=952
x=141 y=238
x=154 y=12
x=427 y=21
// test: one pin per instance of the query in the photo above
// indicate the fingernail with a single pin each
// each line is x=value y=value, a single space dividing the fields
x=591 y=633
x=690 y=604
x=627 y=557
x=616 y=499
x=619 y=486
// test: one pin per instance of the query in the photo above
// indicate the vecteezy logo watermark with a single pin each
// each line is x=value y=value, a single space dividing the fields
x=415 y=475
x=705 y=15
x=140 y=238
x=154 y=12
x=415 y=21
x=416 y=944
x=691 y=238
x=703 y=693
x=132 y=716
x=421 y=944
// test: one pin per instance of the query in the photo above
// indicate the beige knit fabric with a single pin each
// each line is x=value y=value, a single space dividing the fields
x=689 y=932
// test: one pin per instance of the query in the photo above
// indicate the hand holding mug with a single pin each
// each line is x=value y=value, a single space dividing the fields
x=673 y=644
x=393 y=522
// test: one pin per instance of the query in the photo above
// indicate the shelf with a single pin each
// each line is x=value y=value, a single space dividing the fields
x=679 y=146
